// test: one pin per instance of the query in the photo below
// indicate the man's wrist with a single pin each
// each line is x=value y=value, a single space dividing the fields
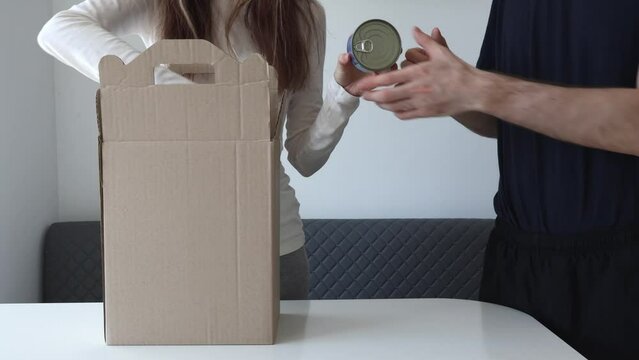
x=486 y=90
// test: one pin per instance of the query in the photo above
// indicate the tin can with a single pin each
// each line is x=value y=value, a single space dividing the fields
x=375 y=46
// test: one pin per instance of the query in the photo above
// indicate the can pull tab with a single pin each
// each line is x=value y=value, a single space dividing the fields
x=365 y=46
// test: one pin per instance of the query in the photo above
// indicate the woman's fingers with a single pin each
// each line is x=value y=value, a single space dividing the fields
x=407 y=63
x=416 y=55
x=344 y=59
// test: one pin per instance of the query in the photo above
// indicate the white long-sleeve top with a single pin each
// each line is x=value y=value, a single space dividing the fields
x=81 y=36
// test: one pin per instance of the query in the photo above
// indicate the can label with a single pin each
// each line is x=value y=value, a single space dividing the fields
x=374 y=46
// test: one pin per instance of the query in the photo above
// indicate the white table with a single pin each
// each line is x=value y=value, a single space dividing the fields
x=326 y=330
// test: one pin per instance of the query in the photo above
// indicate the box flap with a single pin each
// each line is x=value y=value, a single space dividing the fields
x=129 y=92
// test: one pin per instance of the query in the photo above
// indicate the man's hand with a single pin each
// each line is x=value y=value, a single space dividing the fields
x=418 y=55
x=481 y=124
x=434 y=82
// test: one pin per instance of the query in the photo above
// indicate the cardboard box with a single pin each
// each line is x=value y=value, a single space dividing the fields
x=190 y=196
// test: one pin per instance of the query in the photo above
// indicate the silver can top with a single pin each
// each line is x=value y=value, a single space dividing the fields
x=376 y=45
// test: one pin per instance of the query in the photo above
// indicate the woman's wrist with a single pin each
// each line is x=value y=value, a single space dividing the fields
x=341 y=94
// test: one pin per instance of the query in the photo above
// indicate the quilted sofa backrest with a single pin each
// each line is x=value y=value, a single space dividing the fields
x=349 y=259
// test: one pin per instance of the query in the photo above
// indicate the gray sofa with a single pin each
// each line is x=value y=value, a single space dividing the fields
x=349 y=259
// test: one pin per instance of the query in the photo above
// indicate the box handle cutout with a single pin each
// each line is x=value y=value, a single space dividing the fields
x=197 y=73
x=189 y=56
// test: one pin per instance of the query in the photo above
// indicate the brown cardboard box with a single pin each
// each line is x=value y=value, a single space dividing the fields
x=190 y=217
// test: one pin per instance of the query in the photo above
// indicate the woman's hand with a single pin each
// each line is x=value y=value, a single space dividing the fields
x=348 y=77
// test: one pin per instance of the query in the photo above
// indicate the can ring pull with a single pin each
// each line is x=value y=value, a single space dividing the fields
x=365 y=46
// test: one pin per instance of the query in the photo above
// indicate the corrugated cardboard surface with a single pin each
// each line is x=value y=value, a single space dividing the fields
x=190 y=200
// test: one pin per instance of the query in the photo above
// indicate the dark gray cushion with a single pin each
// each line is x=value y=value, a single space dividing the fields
x=364 y=259
x=348 y=259
x=72 y=263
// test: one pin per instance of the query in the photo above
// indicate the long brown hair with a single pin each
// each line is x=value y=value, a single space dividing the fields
x=279 y=28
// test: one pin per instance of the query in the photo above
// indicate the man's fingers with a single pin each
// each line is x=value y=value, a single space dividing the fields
x=385 y=79
x=409 y=115
x=398 y=106
x=387 y=95
x=425 y=41
x=437 y=36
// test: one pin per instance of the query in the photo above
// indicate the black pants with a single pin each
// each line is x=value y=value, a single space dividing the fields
x=294 y=276
x=583 y=288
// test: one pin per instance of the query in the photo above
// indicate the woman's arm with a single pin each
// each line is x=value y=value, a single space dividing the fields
x=315 y=126
x=81 y=36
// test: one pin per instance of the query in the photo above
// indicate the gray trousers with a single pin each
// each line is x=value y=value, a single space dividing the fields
x=294 y=274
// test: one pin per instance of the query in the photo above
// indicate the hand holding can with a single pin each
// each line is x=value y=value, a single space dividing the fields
x=373 y=48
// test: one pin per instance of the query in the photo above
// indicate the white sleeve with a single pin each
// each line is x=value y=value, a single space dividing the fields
x=82 y=35
x=315 y=126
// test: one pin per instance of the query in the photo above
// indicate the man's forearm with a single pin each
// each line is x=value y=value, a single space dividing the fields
x=438 y=83
x=600 y=118
x=479 y=123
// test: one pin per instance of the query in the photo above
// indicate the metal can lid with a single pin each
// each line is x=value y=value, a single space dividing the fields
x=376 y=45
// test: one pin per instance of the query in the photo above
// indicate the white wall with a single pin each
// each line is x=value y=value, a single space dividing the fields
x=28 y=180
x=382 y=168
x=77 y=134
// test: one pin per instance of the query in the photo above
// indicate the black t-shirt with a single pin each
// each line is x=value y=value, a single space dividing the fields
x=549 y=186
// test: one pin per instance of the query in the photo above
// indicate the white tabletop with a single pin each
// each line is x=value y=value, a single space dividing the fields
x=345 y=329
